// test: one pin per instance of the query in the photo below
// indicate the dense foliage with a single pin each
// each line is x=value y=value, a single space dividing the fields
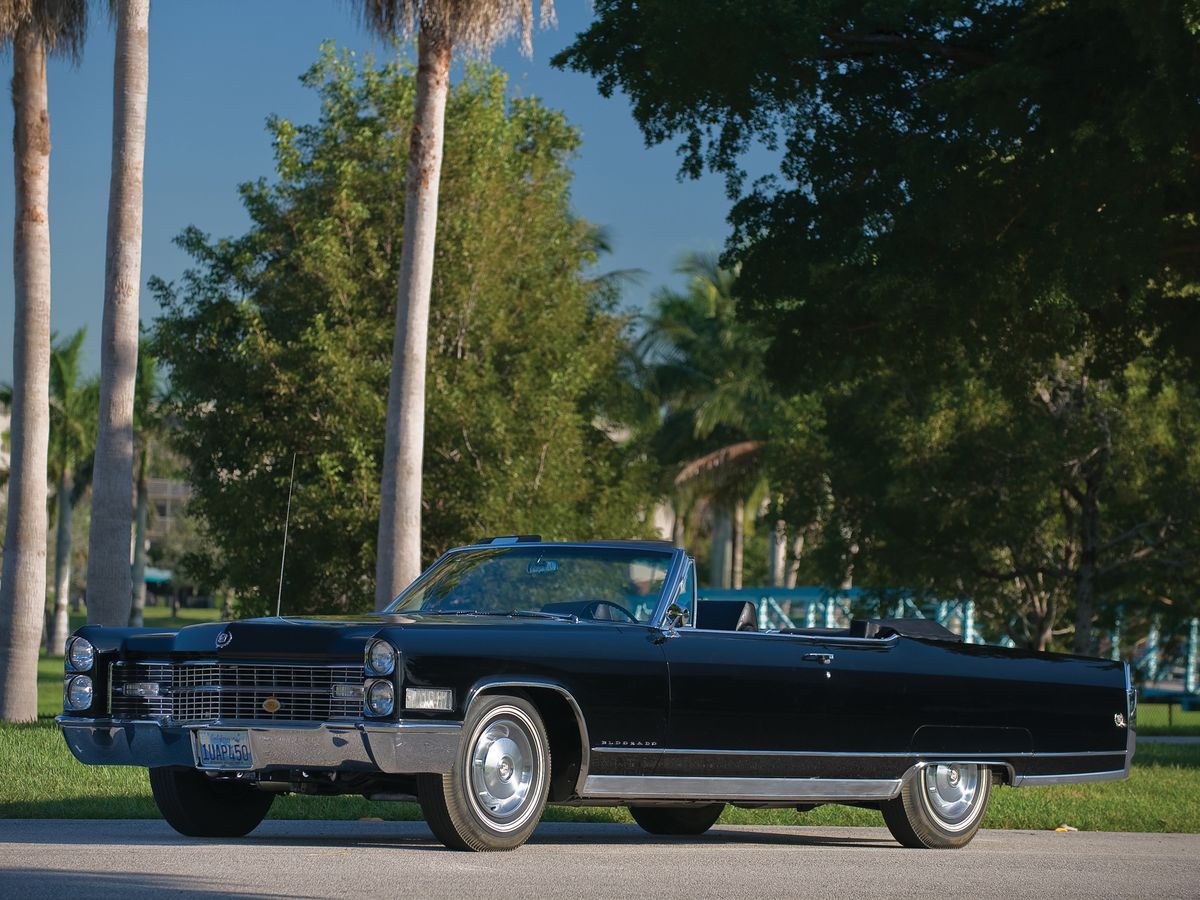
x=977 y=268
x=279 y=342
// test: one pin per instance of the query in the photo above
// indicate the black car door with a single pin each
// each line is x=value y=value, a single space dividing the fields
x=755 y=704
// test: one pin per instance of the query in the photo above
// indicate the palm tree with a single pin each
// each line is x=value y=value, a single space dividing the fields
x=146 y=423
x=442 y=27
x=32 y=28
x=73 y=406
x=108 y=576
x=705 y=373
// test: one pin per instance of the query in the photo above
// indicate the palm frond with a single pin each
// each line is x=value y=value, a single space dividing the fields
x=473 y=26
x=62 y=24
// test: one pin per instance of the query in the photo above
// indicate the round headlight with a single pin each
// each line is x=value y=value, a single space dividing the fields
x=81 y=654
x=79 y=692
x=381 y=658
x=381 y=698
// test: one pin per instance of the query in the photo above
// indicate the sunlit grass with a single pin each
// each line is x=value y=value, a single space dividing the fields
x=1163 y=718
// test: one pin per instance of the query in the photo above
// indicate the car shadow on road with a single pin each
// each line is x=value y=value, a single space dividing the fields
x=415 y=836
x=127 y=885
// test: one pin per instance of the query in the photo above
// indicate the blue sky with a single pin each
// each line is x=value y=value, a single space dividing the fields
x=217 y=69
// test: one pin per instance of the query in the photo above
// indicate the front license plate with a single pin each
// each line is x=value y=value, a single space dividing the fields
x=223 y=750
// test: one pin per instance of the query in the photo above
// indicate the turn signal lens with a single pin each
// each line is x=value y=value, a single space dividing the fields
x=81 y=655
x=381 y=698
x=428 y=698
x=79 y=692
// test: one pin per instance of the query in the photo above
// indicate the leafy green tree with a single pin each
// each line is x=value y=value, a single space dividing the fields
x=278 y=342
x=1016 y=181
x=977 y=256
x=1052 y=510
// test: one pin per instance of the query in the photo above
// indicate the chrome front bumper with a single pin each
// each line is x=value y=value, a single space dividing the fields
x=390 y=747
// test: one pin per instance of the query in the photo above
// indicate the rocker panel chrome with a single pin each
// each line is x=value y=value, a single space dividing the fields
x=799 y=790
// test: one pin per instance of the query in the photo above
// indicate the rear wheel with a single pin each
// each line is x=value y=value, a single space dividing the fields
x=940 y=807
x=199 y=806
x=677 y=819
x=494 y=797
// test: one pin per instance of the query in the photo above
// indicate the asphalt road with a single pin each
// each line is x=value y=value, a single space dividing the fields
x=145 y=858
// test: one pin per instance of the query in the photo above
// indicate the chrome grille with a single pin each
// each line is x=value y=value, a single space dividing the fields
x=203 y=692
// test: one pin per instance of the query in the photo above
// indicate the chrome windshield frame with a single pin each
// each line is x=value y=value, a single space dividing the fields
x=670 y=586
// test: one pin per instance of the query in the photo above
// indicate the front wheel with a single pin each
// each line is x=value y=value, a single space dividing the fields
x=677 y=820
x=494 y=796
x=198 y=806
x=940 y=807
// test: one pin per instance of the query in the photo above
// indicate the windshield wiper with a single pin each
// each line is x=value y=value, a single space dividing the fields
x=538 y=614
x=454 y=612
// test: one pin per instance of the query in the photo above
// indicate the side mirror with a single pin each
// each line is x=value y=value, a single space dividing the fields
x=677 y=616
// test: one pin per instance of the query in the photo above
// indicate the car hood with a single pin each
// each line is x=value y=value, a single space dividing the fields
x=328 y=638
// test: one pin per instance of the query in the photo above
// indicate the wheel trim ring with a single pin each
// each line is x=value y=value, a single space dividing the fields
x=482 y=782
x=955 y=804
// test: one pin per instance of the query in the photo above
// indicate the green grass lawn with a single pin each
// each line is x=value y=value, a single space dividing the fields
x=42 y=780
x=1162 y=718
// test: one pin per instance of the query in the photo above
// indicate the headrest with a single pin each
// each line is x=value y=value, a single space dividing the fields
x=726 y=615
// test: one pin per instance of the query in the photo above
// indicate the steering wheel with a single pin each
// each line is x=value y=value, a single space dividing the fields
x=589 y=611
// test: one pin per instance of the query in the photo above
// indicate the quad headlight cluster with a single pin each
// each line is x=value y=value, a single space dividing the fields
x=379 y=693
x=78 y=687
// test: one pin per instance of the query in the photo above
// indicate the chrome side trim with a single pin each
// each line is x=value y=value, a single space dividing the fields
x=939 y=756
x=585 y=745
x=1074 y=778
x=815 y=638
x=799 y=790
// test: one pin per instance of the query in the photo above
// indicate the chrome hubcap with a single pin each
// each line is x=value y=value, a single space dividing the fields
x=951 y=792
x=504 y=772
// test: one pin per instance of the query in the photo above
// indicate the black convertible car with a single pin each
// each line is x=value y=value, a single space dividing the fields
x=516 y=673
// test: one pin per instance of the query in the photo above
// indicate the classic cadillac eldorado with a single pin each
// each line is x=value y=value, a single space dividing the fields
x=516 y=672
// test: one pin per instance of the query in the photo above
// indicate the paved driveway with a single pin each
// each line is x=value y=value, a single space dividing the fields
x=145 y=858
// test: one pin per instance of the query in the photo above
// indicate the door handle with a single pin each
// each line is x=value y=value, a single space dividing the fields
x=822 y=658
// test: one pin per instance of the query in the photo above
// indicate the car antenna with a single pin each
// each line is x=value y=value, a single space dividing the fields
x=287 y=517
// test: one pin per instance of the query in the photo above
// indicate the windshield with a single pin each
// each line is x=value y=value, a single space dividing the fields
x=612 y=584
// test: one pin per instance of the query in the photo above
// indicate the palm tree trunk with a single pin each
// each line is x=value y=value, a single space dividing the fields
x=793 y=569
x=108 y=575
x=722 y=548
x=399 y=545
x=739 y=544
x=61 y=625
x=137 y=613
x=777 y=554
x=23 y=585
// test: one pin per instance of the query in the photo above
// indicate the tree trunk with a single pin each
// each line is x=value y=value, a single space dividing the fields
x=739 y=544
x=137 y=612
x=61 y=626
x=108 y=575
x=679 y=526
x=777 y=554
x=23 y=584
x=398 y=548
x=721 y=562
x=1085 y=578
x=793 y=571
